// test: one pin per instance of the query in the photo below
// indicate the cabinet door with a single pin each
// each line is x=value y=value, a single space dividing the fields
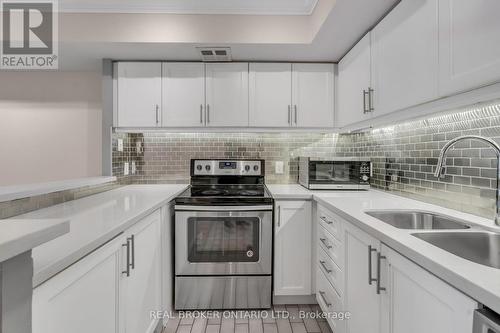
x=143 y=286
x=139 y=94
x=312 y=95
x=360 y=295
x=183 y=94
x=417 y=301
x=353 y=84
x=83 y=298
x=469 y=44
x=227 y=94
x=270 y=94
x=292 y=255
x=405 y=56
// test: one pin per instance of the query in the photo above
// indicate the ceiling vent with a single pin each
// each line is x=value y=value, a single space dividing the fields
x=210 y=54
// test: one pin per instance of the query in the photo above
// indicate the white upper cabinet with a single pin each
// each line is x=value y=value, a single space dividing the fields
x=417 y=301
x=405 y=56
x=183 y=94
x=270 y=94
x=292 y=255
x=469 y=44
x=354 y=83
x=138 y=94
x=227 y=94
x=312 y=95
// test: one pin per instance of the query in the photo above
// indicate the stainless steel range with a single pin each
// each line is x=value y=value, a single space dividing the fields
x=223 y=237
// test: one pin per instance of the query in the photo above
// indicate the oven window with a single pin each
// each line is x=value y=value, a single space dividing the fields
x=334 y=173
x=223 y=239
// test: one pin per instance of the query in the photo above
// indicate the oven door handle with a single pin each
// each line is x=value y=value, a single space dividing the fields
x=223 y=208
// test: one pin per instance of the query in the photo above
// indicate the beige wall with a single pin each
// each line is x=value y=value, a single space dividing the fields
x=50 y=126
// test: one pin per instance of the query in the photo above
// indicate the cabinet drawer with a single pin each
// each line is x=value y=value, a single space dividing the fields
x=329 y=301
x=330 y=222
x=332 y=272
x=332 y=246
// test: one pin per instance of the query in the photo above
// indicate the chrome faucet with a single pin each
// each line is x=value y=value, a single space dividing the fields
x=440 y=165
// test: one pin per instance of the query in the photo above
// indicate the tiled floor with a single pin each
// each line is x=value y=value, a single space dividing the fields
x=284 y=319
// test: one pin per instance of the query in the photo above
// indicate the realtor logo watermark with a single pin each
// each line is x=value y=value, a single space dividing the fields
x=29 y=34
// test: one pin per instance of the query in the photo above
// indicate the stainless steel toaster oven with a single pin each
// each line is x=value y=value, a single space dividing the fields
x=339 y=173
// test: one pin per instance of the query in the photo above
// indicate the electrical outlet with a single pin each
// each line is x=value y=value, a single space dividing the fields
x=120 y=144
x=279 y=167
x=125 y=169
x=134 y=169
x=394 y=177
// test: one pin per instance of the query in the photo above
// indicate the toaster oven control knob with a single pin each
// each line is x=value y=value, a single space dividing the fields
x=247 y=168
x=365 y=178
x=249 y=253
x=207 y=167
x=199 y=167
x=255 y=168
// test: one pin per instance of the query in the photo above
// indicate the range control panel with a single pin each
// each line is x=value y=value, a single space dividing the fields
x=227 y=168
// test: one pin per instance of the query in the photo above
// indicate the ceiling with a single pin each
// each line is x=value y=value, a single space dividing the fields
x=241 y=7
x=326 y=35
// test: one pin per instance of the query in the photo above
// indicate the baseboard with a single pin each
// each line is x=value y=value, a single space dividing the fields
x=305 y=299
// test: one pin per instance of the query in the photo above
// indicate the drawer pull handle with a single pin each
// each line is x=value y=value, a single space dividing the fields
x=323 y=240
x=324 y=266
x=322 y=294
x=327 y=221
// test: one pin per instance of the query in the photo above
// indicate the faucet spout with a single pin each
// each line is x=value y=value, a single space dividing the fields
x=440 y=164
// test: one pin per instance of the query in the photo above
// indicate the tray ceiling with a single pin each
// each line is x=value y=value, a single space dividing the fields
x=241 y=7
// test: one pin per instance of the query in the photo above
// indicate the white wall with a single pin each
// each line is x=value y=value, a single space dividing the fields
x=50 y=126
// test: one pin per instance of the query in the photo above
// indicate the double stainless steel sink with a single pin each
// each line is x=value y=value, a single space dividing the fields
x=482 y=247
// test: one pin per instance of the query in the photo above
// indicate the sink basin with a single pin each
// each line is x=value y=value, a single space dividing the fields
x=418 y=220
x=480 y=247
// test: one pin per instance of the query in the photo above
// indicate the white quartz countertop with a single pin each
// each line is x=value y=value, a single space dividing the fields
x=295 y=192
x=479 y=282
x=19 y=236
x=14 y=192
x=94 y=220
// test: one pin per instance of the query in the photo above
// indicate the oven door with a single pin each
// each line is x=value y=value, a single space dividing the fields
x=223 y=241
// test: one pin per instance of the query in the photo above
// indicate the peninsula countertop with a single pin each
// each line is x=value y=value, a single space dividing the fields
x=94 y=220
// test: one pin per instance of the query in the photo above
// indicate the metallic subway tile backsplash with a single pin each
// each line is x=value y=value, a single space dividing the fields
x=404 y=156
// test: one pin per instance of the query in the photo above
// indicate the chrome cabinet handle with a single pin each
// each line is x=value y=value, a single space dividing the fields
x=324 y=219
x=127 y=245
x=379 y=259
x=289 y=114
x=370 y=250
x=208 y=113
x=370 y=100
x=132 y=246
x=157 y=108
x=201 y=113
x=322 y=262
x=365 y=109
x=323 y=240
x=295 y=107
x=279 y=216
x=322 y=294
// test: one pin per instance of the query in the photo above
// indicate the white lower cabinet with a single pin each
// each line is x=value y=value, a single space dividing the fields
x=382 y=290
x=417 y=301
x=292 y=255
x=83 y=298
x=112 y=290
x=361 y=298
x=142 y=292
